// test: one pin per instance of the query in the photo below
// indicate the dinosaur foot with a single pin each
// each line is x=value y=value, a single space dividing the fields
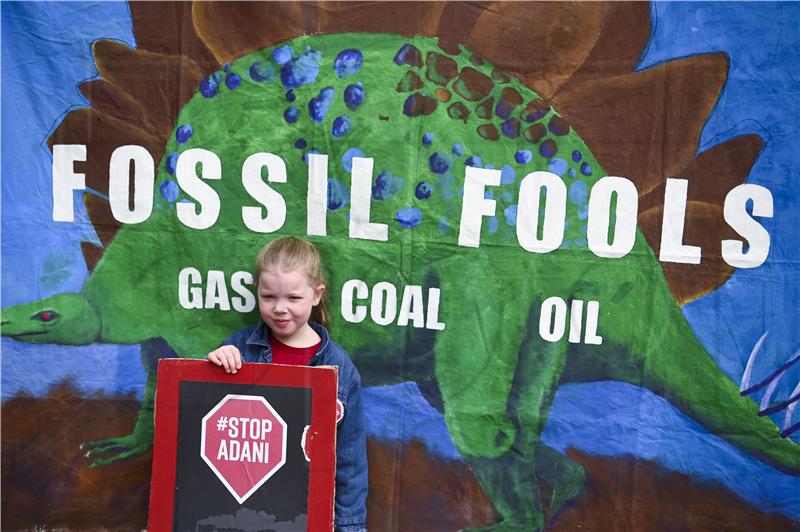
x=111 y=450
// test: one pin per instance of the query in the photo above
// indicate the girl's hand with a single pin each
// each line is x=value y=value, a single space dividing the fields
x=227 y=356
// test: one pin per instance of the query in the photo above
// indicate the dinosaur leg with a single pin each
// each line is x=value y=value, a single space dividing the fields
x=527 y=370
x=513 y=480
x=560 y=479
x=141 y=438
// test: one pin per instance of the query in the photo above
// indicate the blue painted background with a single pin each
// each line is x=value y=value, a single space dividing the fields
x=46 y=53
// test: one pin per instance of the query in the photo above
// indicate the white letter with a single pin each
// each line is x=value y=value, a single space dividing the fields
x=592 y=312
x=411 y=307
x=247 y=302
x=383 y=293
x=119 y=184
x=236 y=450
x=360 y=203
x=223 y=450
x=190 y=298
x=555 y=211
x=575 y=321
x=433 y=322
x=188 y=180
x=349 y=312
x=600 y=218
x=317 y=198
x=475 y=206
x=740 y=221
x=275 y=214
x=258 y=453
x=65 y=180
x=216 y=291
x=553 y=314
x=672 y=248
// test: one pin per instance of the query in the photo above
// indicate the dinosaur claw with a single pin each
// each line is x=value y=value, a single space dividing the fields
x=122 y=447
x=771 y=380
x=793 y=398
x=745 y=388
x=788 y=431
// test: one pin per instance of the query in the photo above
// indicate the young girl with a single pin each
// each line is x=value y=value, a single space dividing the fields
x=294 y=316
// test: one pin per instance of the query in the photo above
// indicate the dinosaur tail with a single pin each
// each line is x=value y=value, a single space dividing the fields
x=694 y=383
x=648 y=342
x=672 y=363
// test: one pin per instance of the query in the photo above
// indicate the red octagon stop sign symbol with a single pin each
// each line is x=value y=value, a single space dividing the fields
x=243 y=441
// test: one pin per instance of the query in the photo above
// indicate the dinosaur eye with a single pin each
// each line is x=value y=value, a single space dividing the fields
x=45 y=316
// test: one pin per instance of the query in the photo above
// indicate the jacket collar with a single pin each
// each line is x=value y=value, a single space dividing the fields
x=260 y=336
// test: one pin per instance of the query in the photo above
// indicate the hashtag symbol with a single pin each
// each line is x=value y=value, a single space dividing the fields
x=222 y=424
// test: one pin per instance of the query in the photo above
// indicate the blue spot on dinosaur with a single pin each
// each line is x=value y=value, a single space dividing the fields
x=337 y=194
x=548 y=148
x=474 y=161
x=440 y=162
x=507 y=175
x=260 y=71
x=423 y=190
x=523 y=156
x=183 y=133
x=348 y=63
x=282 y=55
x=578 y=192
x=291 y=114
x=409 y=217
x=341 y=126
x=172 y=162
x=302 y=70
x=447 y=187
x=169 y=190
x=319 y=105
x=510 y=214
x=353 y=96
x=386 y=185
x=232 y=80
x=558 y=166
x=208 y=87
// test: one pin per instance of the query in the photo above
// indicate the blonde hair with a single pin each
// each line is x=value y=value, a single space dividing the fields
x=290 y=254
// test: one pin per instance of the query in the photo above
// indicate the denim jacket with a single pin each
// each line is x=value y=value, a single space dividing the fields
x=352 y=482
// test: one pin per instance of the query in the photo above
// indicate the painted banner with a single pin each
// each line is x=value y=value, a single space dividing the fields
x=560 y=243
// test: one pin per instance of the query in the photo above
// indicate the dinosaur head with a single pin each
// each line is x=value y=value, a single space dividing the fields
x=66 y=319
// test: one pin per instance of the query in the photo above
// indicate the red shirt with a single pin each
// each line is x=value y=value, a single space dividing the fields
x=294 y=356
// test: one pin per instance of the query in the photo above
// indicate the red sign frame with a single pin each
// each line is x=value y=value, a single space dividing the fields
x=322 y=380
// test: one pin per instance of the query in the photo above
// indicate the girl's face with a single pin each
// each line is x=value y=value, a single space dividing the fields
x=285 y=300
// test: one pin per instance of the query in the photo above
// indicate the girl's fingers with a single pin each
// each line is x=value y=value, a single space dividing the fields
x=227 y=356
